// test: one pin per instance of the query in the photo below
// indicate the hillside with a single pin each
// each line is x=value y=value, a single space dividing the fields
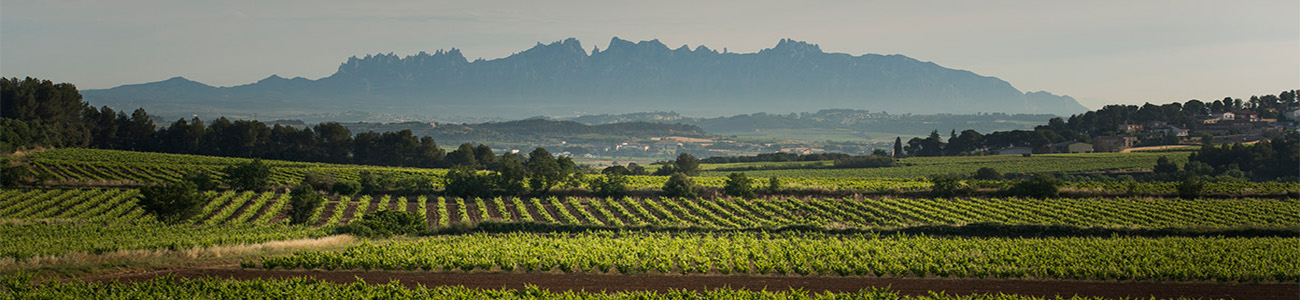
x=562 y=78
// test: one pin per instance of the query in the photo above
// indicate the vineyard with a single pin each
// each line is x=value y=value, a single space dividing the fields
x=306 y=288
x=808 y=254
x=252 y=208
x=874 y=223
x=925 y=166
x=114 y=167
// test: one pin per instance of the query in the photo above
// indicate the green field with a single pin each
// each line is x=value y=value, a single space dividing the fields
x=799 y=254
x=913 y=167
x=306 y=288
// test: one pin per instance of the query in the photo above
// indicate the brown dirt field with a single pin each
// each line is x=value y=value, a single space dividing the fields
x=910 y=286
x=240 y=211
x=472 y=210
x=350 y=211
x=412 y=206
x=327 y=212
x=491 y=207
x=453 y=212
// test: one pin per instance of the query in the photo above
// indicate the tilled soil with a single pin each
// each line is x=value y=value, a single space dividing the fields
x=611 y=283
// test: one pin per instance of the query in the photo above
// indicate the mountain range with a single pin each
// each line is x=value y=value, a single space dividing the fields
x=563 y=79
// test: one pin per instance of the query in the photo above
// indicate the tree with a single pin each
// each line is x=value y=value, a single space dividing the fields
x=616 y=169
x=543 y=170
x=947 y=185
x=739 y=185
x=1041 y=186
x=987 y=173
x=611 y=185
x=484 y=156
x=303 y=203
x=511 y=174
x=252 y=175
x=463 y=156
x=680 y=185
x=1163 y=166
x=898 y=147
x=634 y=169
x=201 y=179
x=12 y=175
x=346 y=187
x=463 y=181
x=1191 y=187
x=687 y=164
x=335 y=142
x=171 y=203
x=773 y=185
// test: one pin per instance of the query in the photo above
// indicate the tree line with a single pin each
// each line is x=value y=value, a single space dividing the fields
x=40 y=113
x=1108 y=120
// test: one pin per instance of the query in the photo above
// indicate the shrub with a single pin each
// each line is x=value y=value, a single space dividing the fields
x=171 y=203
x=680 y=185
x=773 y=185
x=1040 y=186
x=385 y=223
x=303 y=202
x=253 y=175
x=463 y=181
x=346 y=187
x=1164 y=166
x=202 y=180
x=15 y=175
x=318 y=181
x=987 y=173
x=739 y=185
x=948 y=186
x=613 y=185
x=1191 y=187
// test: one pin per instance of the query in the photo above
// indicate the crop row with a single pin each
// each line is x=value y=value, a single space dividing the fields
x=267 y=207
x=1222 y=259
x=307 y=288
x=26 y=240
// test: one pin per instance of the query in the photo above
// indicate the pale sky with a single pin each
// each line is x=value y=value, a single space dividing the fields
x=1099 y=52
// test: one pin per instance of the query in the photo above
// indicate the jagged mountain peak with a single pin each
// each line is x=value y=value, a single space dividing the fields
x=560 y=77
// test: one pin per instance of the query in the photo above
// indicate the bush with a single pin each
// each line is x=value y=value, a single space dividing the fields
x=385 y=223
x=739 y=185
x=773 y=185
x=680 y=185
x=987 y=173
x=202 y=180
x=16 y=175
x=1164 y=166
x=346 y=187
x=318 y=181
x=463 y=181
x=1191 y=187
x=613 y=185
x=948 y=186
x=303 y=203
x=171 y=203
x=1040 y=186
x=253 y=175
x=371 y=183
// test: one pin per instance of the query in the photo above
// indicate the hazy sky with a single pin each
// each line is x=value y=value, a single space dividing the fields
x=1097 y=51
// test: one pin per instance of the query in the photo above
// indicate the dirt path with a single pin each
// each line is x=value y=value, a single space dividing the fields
x=911 y=286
